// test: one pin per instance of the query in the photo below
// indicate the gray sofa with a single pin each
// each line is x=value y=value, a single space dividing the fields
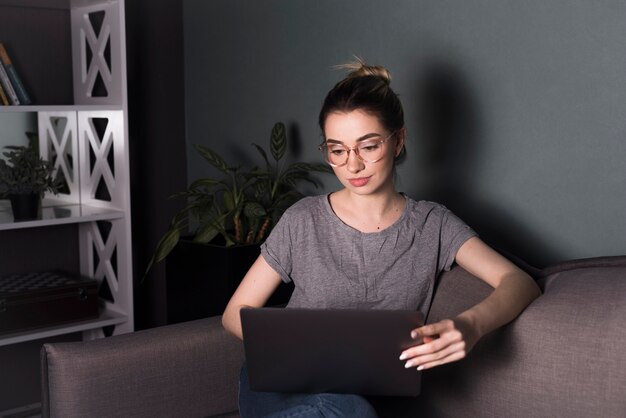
x=564 y=356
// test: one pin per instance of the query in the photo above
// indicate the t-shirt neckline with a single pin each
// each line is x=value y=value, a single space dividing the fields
x=337 y=220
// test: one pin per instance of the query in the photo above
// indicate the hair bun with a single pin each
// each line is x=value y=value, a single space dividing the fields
x=358 y=68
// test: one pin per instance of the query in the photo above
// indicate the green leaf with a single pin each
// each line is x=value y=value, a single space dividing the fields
x=205 y=234
x=213 y=158
x=167 y=243
x=263 y=154
x=164 y=247
x=26 y=172
x=229 y=201
x=292 y=178
x=278 y=141
x=203 y=183
x=261 y=189
x=254 y=210
x=308 y=167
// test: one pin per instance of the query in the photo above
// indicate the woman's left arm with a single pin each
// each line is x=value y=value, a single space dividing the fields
x=451 y=339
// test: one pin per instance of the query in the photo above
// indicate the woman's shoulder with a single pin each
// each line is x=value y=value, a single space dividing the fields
x=307 y=205
x=424 y=211
x=426 y=206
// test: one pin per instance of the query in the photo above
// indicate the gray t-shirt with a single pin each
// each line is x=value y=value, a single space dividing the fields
x=334 y=265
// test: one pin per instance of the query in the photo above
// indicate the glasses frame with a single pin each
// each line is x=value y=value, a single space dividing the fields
x=323 y=147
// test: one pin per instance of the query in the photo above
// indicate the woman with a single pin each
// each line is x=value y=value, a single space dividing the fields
x=367 y=246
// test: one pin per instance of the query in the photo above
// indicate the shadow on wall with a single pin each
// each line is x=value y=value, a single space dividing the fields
x=450 y=130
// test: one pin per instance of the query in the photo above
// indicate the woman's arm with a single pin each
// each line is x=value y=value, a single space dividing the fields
x=254 y=290
x=451 y=339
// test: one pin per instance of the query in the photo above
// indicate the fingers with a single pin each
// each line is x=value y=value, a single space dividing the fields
x=443 y=343
x=452 y=352
x=433 y=330
x=456 y=356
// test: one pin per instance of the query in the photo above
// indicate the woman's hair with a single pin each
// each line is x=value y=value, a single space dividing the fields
x=365 y=88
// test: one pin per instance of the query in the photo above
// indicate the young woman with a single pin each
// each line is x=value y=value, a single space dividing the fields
x=367 y=246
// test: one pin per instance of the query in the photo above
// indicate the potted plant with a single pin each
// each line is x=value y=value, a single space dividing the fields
x=24 y=177
x=228 y=218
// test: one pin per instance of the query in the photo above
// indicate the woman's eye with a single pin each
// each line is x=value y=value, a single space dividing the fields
x=337 y=151
x=369 y=147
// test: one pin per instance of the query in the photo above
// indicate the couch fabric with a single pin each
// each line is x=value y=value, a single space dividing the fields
x=184 y=370
x=563 y=357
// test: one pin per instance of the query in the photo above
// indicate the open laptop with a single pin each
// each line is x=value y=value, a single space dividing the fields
x=335 y=350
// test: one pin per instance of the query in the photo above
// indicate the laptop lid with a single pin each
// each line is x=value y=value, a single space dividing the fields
x=330 y=350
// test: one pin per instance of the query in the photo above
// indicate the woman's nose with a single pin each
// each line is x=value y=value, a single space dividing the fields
x=355 y=164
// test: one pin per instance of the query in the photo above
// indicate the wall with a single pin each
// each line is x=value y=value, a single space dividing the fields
x=154 y=48
x=14 y=126
x=515 y=110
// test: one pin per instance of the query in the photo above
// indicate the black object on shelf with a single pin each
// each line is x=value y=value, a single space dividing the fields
x=35 y=300
x=25 y=207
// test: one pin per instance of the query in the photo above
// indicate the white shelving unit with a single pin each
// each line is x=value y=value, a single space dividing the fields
x=88 y=143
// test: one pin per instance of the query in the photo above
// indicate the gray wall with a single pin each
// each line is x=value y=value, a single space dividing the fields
x=515 y=110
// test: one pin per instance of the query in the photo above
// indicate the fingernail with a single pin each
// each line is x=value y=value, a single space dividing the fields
x=408 y=365
x=413 y=334
x=403 y=356
x=420 y=368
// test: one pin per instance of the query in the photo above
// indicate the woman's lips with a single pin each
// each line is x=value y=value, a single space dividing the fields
x=359 y=182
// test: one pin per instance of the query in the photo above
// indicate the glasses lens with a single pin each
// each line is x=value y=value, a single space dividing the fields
x=371 y=151
x=336 y=154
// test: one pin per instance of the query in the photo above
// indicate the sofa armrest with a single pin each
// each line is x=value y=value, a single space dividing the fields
x=189 y=369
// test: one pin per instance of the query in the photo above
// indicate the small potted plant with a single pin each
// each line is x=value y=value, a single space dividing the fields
x=24 y=178
x=228 y=218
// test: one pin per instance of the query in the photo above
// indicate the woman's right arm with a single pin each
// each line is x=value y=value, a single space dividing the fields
x=255 y=289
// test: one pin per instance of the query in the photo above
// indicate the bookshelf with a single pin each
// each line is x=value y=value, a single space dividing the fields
x=72 y=62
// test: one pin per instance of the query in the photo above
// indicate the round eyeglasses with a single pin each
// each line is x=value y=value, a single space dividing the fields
x=369 y=150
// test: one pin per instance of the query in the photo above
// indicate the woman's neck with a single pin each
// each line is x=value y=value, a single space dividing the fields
x=368 y=213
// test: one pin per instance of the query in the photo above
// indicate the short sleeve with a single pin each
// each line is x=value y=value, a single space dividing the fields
x=276 y=250
x=454 y=233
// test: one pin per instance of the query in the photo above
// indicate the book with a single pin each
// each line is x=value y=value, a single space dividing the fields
x=3 y=97
x=8 y=87
x=16 y=81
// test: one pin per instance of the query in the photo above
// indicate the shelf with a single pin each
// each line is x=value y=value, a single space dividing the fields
x=57 y=108
x=57 y=214
x=73 y=61
x=47 y=4
x=42 y=4
x=106 y=318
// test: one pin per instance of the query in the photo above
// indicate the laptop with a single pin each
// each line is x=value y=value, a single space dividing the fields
x=330 y=350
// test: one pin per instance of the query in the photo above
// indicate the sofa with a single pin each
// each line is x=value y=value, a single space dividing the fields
x=564 y=356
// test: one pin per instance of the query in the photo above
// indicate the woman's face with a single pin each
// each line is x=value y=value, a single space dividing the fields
x=353 y=128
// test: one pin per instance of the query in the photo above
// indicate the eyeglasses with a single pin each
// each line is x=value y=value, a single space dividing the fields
x=369 y=150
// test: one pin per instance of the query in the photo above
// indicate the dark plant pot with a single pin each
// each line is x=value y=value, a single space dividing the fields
x=201 y=278
x=25 y=206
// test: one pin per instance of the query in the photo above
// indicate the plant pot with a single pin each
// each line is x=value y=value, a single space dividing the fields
x=201 y=278
x=25 y=206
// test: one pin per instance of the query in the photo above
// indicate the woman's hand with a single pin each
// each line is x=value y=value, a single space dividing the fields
x=443 y=342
